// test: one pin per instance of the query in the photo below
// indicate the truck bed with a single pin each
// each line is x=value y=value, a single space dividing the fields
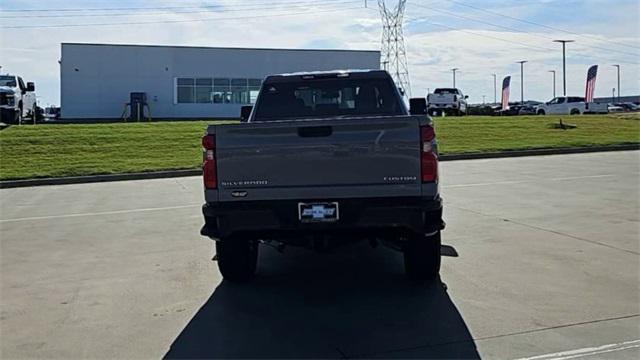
x=359 y=157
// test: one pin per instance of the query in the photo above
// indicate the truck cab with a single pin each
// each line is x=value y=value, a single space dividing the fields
x=447 y=100
x=569 y=105
x=322 y=160
x=17 y=99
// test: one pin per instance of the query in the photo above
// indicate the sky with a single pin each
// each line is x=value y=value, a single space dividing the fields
x=480 y=37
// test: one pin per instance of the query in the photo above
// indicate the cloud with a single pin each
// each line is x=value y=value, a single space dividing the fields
x=432 y=49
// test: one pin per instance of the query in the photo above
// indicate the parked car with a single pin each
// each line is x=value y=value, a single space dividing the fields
x=526 y=110
x=324 y=159
x=17 y=99
x=447 y=100
x=516 y=109
x=52 y=113
x=628 y=106
x=570 y=105
x=480 y=110
x=615 y=108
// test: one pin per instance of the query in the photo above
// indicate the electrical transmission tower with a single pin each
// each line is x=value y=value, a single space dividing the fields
x=393 y=52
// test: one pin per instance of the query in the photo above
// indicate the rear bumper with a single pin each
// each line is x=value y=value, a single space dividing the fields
x=443 y=106
x=368 y=217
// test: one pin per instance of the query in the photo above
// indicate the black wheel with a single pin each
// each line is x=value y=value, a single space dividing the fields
x=19 y=116
x=16 y=117
x=34 y=114
x=422 y=257
x=237 y=258
x=574 y=112
x=540 y=112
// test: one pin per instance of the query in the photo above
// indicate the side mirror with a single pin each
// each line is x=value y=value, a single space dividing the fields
x=466 y=96
x=418 y=106
x=31 y=86
x=245 y=112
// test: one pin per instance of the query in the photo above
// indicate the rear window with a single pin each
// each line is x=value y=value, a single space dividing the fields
x=446 y=91
x=328 y=97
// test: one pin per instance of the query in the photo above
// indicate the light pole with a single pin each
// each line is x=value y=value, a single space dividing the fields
x=554 y=82
x=495 y=98
x=564 y=65
x=618 y=66
x=483 y=100
x=521 y=80
x=454 y=76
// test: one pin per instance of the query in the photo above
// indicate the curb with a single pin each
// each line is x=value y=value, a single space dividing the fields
x=195 y=172
x=539 y=152
x=99 y=178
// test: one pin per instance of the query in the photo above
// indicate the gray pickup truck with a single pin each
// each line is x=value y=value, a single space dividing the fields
x=324 y=159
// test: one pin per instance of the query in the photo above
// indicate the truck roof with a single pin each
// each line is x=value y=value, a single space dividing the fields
x=359 y=73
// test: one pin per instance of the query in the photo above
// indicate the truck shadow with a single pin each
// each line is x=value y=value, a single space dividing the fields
x=354 y=303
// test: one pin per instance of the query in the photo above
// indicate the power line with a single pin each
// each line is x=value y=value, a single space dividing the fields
x=211 y=9
x=175 y=21
x=141 y=8
x=534 y=47
x=538 y=24
x=482 y=35
x=514 y=29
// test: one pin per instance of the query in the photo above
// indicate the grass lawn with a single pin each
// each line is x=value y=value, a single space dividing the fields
x=490 y=133
x=70 y=150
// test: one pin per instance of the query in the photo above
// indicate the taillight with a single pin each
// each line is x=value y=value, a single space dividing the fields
x=209 y=171
x=428 y=154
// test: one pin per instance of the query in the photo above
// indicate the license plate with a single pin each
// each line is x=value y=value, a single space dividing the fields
x=318 y=212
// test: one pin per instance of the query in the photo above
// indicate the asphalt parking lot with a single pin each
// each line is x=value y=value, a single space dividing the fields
x=547 y=266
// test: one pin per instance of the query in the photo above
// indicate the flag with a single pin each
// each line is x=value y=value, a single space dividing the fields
x=591 y=83
x=505 y=92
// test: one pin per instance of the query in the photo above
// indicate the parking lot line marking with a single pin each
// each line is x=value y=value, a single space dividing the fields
x=528 y=181
x=588 y=351
x=99 y=213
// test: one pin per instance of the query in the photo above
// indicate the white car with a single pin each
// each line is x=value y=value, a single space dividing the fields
x=614 y=108
x=570 y=105
x=447 y=100
x=17 y=99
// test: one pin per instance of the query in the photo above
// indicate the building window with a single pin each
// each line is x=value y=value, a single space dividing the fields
x=221 y=91
x=254 y=89
x=204 y=91
x=186 y=94
x=239 y=91
x=217 y=90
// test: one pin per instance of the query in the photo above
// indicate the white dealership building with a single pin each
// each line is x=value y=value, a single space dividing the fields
x=96 y=80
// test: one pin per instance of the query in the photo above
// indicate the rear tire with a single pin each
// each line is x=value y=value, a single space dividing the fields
x=34 y=114
x=422 y=257
x=20 y=116
x=574 y=112
x=541 y=112
x=237 y=258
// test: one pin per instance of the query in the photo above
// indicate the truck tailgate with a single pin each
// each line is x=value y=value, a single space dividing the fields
x=319 y=159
